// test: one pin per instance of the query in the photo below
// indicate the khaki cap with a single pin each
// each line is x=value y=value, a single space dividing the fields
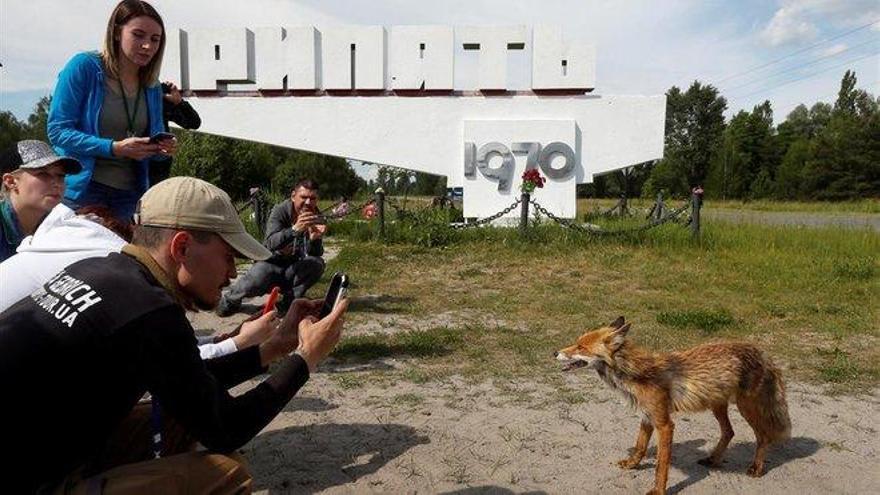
x=190 y=203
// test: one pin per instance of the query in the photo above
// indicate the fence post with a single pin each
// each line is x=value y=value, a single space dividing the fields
x=380 y=203
x=623 y=208
x=259 y=213
x=658 y=208
x=524 y=212
x=696 y=204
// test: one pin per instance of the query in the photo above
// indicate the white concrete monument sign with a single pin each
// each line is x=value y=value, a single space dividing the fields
x=387 y=96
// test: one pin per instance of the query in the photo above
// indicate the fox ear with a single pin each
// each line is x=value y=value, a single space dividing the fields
x=615 y=340
x=617 y=323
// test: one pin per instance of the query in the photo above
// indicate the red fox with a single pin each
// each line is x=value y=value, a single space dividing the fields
x=708 y=376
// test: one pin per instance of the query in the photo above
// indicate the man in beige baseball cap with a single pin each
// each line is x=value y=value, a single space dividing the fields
x=190 y=203
x=115 y=328
x=196 y=209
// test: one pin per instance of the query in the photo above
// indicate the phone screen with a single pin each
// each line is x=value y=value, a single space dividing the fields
x=336 y=291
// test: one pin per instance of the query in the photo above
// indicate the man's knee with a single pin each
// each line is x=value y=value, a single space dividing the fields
x=256 y=281
x=308 y=270
x=222 y=473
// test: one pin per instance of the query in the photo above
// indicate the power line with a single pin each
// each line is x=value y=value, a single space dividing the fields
x=793 y=68
x=770 y=88
x=802 y=50
x=777 y=104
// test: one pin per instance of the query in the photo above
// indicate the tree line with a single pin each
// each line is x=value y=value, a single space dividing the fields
x=824 y=152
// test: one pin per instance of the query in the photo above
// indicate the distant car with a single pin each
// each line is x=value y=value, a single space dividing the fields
x=455 y=193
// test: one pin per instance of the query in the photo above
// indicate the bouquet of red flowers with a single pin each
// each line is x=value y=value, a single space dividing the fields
x=369 y=211
x=531 y=179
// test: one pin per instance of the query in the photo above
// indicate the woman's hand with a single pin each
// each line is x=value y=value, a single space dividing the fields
x=168 y=146
x=136 y=148
x=173 y=96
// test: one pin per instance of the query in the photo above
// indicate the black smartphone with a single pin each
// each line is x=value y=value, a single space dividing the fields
x=160 y=136
x=337 y=290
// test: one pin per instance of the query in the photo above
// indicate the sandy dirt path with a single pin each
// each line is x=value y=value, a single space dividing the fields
x=453 y=437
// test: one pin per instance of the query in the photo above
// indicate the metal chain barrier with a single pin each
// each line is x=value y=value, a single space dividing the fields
x=609 y=211
x=352 y=210
x=398 y=208
x=670 y=216
x=487 y=220
x=403 y=212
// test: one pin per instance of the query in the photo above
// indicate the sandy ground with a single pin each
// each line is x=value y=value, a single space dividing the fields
x=456 y=437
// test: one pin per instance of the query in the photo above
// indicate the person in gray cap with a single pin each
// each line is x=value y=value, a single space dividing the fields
x=33 y=183
x=77 y=354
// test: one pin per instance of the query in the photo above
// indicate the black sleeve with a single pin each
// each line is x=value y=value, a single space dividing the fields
x=180 y=380
x=234 y=368
x=183 y=115
x=279 y=233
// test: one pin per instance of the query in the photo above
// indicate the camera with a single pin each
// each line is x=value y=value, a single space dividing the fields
x=166 y=88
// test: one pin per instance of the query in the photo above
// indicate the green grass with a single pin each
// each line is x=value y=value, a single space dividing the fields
x=408 y=400
x=790 y=290
x=843 y=371
x=703 y=319
x=872 y=206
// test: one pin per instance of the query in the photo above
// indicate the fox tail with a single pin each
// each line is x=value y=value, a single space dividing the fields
x=772 y=405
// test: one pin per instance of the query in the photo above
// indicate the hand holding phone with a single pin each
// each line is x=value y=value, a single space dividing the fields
x=335 y=293
x=317 y=338
x=161 y=136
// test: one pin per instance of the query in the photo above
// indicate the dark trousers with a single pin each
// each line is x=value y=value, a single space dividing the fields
x=294 y=279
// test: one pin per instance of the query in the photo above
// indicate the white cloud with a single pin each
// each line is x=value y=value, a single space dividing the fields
x=832 y=50
x=789 y=24
x=33 y=50
x=801 y=20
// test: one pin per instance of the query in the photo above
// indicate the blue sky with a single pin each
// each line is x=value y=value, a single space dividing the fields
x=643 y=47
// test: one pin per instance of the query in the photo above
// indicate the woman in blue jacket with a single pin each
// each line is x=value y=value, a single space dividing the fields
x=105 y=107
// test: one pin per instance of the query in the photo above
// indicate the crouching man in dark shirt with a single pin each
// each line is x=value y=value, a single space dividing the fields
x=78 y=354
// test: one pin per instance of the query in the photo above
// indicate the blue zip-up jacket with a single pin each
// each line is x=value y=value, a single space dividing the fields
x=75 y=115
x=10 y=230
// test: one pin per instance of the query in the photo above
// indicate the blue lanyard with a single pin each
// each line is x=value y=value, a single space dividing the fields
x=156 y=424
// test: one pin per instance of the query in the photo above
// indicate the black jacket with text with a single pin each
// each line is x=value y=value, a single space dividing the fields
x=78 y=354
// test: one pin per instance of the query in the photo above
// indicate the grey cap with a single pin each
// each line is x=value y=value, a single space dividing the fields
x=32 y=154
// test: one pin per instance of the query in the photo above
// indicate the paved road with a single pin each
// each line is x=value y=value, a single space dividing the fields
x=846 y=220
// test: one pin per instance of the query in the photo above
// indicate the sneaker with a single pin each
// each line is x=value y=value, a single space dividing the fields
x=225 y=307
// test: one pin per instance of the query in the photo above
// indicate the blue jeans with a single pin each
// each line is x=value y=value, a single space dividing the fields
x=121 y=202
